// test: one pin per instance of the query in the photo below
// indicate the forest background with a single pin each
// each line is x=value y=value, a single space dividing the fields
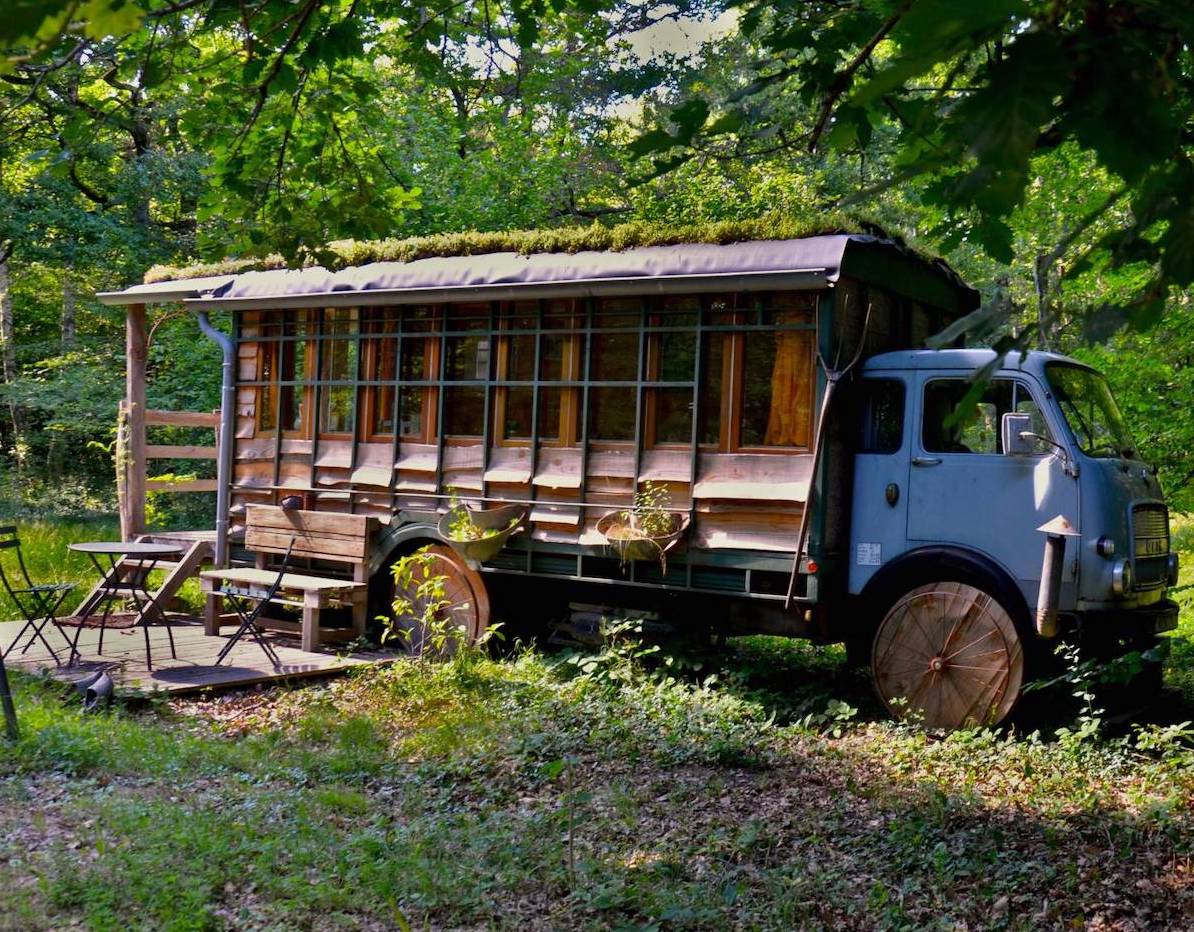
x=1039 y=148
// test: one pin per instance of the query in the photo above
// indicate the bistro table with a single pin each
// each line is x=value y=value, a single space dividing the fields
x=137 y=560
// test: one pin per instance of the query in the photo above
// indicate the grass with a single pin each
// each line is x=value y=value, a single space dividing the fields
x=1179 y=673
x=45 y=549
x=519 y=794
x=757 y=788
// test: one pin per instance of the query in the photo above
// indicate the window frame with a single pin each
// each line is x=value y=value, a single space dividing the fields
x=865 y=410
x=272 y=347
x=653 y=334
x=370 y=365
x=724 y=320
x=356 y=336
x=732 y=330
x=569 y=385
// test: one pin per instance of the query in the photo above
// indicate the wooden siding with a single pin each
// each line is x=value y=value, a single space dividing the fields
x=739 y=499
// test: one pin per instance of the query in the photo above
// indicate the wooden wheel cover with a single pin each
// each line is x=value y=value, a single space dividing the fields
x=952 y=653
x=464 y=591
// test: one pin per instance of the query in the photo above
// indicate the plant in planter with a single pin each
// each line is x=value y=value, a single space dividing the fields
x=479 y=535
x=647 y=530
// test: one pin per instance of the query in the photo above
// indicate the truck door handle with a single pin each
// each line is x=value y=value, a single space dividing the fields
x=926 y=461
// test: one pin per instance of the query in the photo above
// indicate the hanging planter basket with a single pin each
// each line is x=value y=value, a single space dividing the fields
x=495 y=527
x=629 y=541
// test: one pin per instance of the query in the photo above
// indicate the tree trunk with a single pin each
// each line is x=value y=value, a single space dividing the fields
x=8 y=343
x=1044 y=316
x=8 y=347
x=69 y=302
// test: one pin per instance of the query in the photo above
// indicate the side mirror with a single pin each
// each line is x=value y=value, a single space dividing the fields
x=1014 y=427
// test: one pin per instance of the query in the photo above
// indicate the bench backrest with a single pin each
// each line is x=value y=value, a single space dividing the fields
x=318 y=535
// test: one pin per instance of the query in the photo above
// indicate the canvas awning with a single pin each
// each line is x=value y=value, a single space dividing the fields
x=812 y=262
x=162 y=292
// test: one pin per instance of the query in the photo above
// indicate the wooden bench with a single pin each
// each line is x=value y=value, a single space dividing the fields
x=317 y=535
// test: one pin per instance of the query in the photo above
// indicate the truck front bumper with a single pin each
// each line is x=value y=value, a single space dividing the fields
x=1143 y=620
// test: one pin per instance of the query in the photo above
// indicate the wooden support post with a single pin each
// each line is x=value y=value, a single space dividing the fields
x=132 y=503
x=313 y=603
x=360 y=600
x=213 y=607
x=122 y=461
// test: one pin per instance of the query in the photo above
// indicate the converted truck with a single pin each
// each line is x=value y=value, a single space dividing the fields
x=830 y=478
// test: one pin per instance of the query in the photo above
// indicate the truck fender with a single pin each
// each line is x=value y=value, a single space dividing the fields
x=392 y=542
x=399 y=540
x=944 y=563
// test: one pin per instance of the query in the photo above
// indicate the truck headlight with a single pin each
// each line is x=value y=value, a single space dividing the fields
x=1121 y=577
x=1172 y=567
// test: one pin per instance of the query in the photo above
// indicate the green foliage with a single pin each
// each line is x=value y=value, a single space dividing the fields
x=32 y=26
x=962 y=101
x=44 y=550
x=621 y=657
x=1152 y=376
x=497 y=793
x=420 y=616
x=652 y=501
x=462 y=526
x=418 y=608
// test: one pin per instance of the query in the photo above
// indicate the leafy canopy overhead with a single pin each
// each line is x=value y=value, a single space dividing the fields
x=965 y=97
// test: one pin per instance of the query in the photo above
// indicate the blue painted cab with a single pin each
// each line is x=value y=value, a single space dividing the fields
x=928 y=481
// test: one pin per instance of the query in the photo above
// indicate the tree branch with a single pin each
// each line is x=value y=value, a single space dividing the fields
x=279 y=59
x=842 y=80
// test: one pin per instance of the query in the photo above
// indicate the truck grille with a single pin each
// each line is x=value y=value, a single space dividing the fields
x=1150 y=544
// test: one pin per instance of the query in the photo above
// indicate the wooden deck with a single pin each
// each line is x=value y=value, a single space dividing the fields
x=193 y=671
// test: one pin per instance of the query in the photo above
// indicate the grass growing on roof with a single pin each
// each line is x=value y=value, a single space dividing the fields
x=349 y=253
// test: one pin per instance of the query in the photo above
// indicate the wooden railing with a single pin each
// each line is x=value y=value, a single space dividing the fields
x=133 y=455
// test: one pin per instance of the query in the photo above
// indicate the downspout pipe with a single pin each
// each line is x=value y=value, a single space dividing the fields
x=227 y=435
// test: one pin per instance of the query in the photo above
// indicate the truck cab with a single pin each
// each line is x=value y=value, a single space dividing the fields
x=962 y=457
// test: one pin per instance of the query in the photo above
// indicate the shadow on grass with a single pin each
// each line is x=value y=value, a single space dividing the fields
x=330 y=825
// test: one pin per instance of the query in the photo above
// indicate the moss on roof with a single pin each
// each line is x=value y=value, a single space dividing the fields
x=348 y=253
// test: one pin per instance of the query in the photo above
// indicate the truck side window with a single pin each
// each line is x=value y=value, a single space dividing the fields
x=951 y=424
x=882 y=416
x=954 y=425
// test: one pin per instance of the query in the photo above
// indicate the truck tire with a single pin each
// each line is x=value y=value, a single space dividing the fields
x=949 y=655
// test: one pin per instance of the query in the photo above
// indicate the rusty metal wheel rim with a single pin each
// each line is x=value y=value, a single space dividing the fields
x=465 y=595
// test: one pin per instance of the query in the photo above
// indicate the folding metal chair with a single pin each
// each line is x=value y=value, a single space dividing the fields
x=38 y=603
x=241 y=599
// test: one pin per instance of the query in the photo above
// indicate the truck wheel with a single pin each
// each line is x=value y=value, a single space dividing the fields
x=948 y=655
x=465 y=602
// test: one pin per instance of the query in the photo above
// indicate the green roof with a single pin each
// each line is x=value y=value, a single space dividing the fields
x=344 y=254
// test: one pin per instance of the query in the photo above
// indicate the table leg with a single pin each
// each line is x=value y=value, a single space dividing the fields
x=105 y=597
x=110 y=591
x=142 y=616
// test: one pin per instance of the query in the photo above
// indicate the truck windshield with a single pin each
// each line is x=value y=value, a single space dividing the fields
x=1091 y=411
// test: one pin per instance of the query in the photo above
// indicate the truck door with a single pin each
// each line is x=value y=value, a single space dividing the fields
x=963 y=490
x=879 y=504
